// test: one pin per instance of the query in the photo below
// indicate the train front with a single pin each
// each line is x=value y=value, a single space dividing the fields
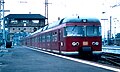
x=83 y=36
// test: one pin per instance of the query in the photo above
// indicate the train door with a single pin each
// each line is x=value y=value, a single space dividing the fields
x=59 y=38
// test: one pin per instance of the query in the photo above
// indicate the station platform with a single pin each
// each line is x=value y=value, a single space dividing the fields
x=111 y=49
x=25 y=59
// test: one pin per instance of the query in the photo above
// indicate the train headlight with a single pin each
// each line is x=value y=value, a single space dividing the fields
x=95 y=43
x=75 y=43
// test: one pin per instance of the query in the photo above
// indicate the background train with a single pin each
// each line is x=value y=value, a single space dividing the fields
x=72 y=35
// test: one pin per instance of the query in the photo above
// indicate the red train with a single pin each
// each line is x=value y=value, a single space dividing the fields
x=74 y=35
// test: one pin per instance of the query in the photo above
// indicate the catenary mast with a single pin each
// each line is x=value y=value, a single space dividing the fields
x=46 y=9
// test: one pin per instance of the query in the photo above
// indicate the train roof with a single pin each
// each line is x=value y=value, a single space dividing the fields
x=74 y=20
x=68 y=20
x=41 y=29
x=56 y=23
x=80 y=19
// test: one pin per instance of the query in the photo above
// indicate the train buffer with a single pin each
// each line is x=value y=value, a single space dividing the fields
x=25 y=59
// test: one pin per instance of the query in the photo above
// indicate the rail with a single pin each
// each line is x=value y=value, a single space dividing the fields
x=111 y=58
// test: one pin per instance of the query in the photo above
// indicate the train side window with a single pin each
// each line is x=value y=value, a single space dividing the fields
x=48 y=38
x=54 y=36
x=43 y=38
x=37 y=39
x=33 y=40
x=40 y=39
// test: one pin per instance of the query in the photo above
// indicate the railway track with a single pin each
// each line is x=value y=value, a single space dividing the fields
x=110 y=59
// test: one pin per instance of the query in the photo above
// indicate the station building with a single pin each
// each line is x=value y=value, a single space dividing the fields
x=16 y=23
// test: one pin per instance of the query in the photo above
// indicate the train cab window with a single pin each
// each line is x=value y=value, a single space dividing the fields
x=74 y=31
x=93 y=31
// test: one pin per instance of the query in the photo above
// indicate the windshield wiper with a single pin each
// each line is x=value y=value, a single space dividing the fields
x=74 y=28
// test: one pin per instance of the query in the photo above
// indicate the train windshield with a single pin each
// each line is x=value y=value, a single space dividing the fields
x=82 y=31
x=93 y=30
x=74 y=31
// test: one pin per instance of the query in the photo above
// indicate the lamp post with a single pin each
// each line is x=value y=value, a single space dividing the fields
x=110 y=31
